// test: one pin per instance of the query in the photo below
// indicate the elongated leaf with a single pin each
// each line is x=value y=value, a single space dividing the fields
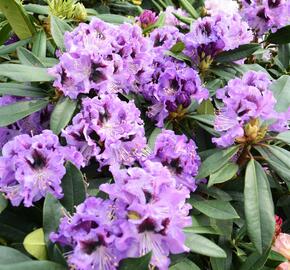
x=28 y=58
x=216 y=209
x=33 y=265
x=73 y=186
x=185 y=264
x=39 y=44
x=281 y=36
x=278 y=158
x=3 y=203
x=284 y=55
x=189 y=8
x=23 y=73
x=9 y=255
x=11 y=113
x=255 y=261
x=216 y=161
x=281 y=92
x=38 y=9
x=21 y=90
x=114 y=18
x=35 y=245
x=201 y=245
x=241 y=52
x=153 y=136
x=206 y=107
x=227 y=172
x=12 y=47
x=259 y=210
x=17 y=18
x=58 y=28
x=183 y=19
x=160 y=22
x=178 y=47
x=141 y=263
x=204 y=118
x=52 y=213
x=4 y=33
x=62 y=114
x=284 y=136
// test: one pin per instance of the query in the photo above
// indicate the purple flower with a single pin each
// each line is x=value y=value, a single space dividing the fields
x=147 y=18
x=31 y=167
x=266 y=15
x=248 y=110
x=109 y=129
x=210 y=35
x=103 y=58
x=179 y=155
x=12 y=39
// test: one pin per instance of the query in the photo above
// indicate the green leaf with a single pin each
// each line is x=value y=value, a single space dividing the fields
x=182 y=18
x=284 y=136
x=241 y=52
x=206 y=107
x=35 y=245
x=62 y=114
x=281 y=93
x=33 y=265
x=281 y=36
x=73 y=186
x=141 y=263
x=23 y=73
x=11 y=113
x=284 y=55
x=10 y=255
x=5 y=33
x=185 y=264
x=5 y=49
x=52 y=213
x=3 y=203
x=278 y=158
x=58 y=29
x=114 y=18
x=207 y=119
x=17 y=18
x=259 y=210
x=178 y=47
x=21 y=90
x=153 y=136
x=255 y=260
x=216 y=161
x=38 y=9
x=39 y=44
x=216 y=209
x=204 y=246
x=189 y=8
x=160 y=22
x=28 y=58
x=227 y=172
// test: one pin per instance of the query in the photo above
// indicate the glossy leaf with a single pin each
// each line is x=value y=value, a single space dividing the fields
x=21 y=90
x=255 y=261
x=281 y=93
x=227 y=172
x=10 y=255
x=33 y=265
x=58 y=29
x=11 y=113
x=28 y=58
x=216 y=209
x=6 y=49
x=3 y=203
x=73 y=186
x=62 y=114
x=185 y=264
x=259 y=210
x=284 y=136
x=39 y=44
x=141 y=263
x=35 y=245
x=281 y=36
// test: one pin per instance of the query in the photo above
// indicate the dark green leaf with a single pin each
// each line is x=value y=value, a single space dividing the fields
x=216 y=161
x=185 y=264
x=73 y=186
x=11 y=113
x=9 y=255
x=4 y=33
x=17 y=18
x=141 y=263
x=255 y=261
x=28 y=58
x=201 y=245
x=33 y=265
x=3 y=203
x=284 y=136
x=62 y=114
x=227 y=172
x=178 y=47
x=207 y=119
x=58 y=28
x=21 y=90
x=241 y=52
x=23 y=73
x=284 y=55
x=216 y=209
x=259 y=210
x=281 y=36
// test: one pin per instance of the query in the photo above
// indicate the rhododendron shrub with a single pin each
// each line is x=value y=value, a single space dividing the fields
x=145 y=135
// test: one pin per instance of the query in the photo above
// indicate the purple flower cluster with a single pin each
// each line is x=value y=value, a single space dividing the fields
x=33 y=124
x=179 y=155
x=108 y=129
x=103 y=58
x=146 y=212
x=31 y=167
x=146 y=19
x=210 y=35
x=266 y=15
x=248 y=109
